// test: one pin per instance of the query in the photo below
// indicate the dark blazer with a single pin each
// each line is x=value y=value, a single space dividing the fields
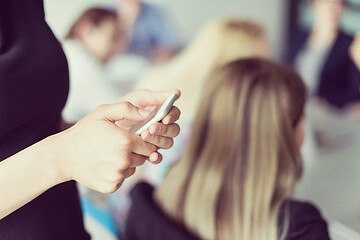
x=146 y=221
x=339 y=78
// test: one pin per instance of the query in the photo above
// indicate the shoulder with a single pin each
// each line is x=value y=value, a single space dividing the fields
x=153 y=14
x=143 y=202
x=296 y=43
x=300 y=36
x=345 y=38
x=143 y=190
x=147 y=221
x=151 y=8
x=305 y=221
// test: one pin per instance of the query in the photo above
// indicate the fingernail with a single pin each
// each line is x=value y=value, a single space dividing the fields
x=154 y=157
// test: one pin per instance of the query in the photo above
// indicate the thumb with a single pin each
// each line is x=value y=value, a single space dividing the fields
x=145 y=98
x=121 y=111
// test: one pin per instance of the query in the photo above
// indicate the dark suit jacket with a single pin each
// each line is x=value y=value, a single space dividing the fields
x=146 y=220
x=339 y=79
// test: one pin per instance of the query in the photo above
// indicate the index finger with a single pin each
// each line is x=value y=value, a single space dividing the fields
x=145 y=98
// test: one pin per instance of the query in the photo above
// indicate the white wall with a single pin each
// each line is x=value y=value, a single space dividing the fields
x=190 y=15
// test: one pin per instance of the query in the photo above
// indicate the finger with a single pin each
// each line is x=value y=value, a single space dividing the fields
x=137 y=160
x=172 y=116
x=158 y=141
x=121 y=111
x=155 y=158
x=160 y=129
x=146 y=98
x=140 y=147
x=128 y=172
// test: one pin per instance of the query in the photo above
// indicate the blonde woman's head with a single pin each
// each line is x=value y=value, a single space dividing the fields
x=224 y=40
x=218 y=43
x=242 y=160
x=239 y=39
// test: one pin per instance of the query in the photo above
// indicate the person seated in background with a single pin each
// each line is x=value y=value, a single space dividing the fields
x=322 y=57
x=150 y=31
x=91 y=41
x=218 y=43
x=240 y=168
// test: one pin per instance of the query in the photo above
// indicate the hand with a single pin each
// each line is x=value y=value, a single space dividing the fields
x=160 y=134
x=99 y=154
x=355 y=50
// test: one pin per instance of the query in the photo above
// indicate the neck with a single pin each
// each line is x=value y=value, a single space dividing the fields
x=324 y=33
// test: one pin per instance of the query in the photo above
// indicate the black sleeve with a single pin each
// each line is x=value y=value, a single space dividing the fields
x=353 y=75
x=306 y=222
x=296 y=43
x=147 y=221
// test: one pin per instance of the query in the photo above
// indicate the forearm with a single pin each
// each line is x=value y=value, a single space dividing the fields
x=26 y=175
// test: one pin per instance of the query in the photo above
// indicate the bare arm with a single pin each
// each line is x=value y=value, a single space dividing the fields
x=95 y=152
x=26 y=175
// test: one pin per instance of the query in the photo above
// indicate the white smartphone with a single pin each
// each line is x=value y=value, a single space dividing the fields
x=156 y=115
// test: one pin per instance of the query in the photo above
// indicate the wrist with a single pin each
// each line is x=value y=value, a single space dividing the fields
x=54 y=158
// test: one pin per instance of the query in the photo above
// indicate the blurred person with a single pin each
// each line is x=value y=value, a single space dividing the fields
x=322 y=57
x=150 y=31
x=241 y=165
x=218 y=43
x=39 y=161
x=90 y=43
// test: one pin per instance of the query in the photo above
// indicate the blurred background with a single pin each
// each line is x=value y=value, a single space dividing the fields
x=332 y=150
x=189 y=16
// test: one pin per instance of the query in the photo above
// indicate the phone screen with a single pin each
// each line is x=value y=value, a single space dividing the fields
x=138 y=125
x=155 y=115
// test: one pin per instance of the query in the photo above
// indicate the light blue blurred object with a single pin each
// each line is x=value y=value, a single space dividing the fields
x=152 y=29
x=101 y=214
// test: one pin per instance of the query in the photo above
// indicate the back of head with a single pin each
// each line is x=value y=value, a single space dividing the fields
x=239 y=39
x=95 y=16
x=242 y=160
x=218 y=43
x=225 y=40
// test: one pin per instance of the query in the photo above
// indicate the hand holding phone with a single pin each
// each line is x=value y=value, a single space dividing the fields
x=155 y=116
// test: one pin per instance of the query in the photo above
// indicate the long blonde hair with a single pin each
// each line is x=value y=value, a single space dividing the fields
x=218 y=43
x=242 y=159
